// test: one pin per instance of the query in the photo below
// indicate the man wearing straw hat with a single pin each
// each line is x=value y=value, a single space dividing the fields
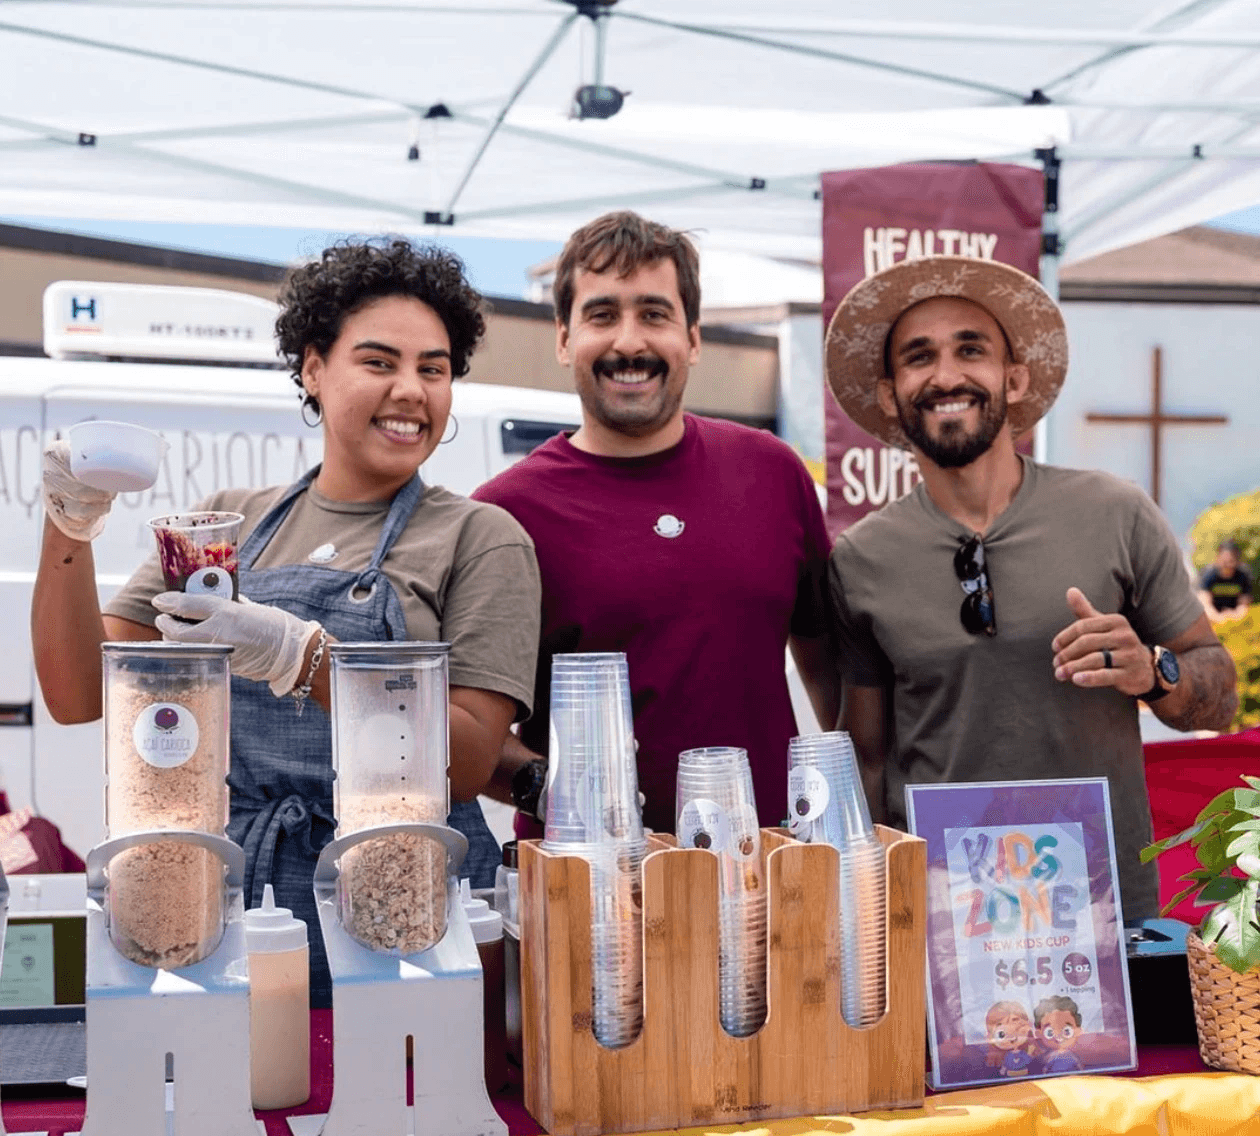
x=696 y=546
x=1002 y=620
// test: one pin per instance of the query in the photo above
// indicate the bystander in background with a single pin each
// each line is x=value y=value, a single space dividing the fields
x=1225 y=588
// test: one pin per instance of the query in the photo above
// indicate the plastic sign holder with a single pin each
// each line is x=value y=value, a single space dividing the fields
x=433 y=997
x=137 y=1015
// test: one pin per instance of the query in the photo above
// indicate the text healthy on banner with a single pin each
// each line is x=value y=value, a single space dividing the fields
x=873 y=219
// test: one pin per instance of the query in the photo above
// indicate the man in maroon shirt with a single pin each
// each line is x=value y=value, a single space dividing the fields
x=694 y=545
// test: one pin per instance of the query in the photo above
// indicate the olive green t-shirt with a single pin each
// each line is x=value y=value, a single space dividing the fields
x=972 y=708
x=464 y=571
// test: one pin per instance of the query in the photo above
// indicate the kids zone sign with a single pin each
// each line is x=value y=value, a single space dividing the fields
x=1021 y=926
x=873 y=219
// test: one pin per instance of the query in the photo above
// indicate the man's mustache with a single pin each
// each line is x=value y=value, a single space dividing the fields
x=652 y=365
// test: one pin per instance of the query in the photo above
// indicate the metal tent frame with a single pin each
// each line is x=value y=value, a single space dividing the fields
x=1165 y=133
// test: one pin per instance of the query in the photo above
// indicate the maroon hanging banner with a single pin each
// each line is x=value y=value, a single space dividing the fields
x=873 y=219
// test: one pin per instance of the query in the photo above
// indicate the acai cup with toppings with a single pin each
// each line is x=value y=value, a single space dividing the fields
x=197 y=552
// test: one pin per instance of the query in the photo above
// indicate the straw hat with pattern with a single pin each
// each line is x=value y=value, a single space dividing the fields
x=1022 y=307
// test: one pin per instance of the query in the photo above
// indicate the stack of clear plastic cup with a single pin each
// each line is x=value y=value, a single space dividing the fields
x=827 y=805
x=593 y=812
x=715 y=809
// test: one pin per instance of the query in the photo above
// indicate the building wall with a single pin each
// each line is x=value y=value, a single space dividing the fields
x=1210 y=366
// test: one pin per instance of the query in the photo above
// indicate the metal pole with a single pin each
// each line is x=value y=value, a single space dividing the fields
x=600 y=20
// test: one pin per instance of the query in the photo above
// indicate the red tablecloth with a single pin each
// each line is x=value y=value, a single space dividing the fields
x=1181 y=778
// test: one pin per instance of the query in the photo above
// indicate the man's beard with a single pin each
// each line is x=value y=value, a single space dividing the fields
x=635 y=419
x=954 y=447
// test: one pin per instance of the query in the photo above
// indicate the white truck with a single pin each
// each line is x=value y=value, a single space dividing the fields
x=200 y=367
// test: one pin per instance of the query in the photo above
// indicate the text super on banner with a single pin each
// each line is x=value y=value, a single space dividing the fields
x=1026 y=967
x=873 y=219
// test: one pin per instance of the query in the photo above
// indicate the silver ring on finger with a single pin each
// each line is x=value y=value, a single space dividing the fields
x=1107 y=661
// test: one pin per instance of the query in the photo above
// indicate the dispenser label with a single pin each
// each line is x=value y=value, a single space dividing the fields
x=808 y=795
x=704 y=824
x=745 y=833
x=166 y=734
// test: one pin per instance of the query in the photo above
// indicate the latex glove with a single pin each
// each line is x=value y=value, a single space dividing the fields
x=270 y=642
x=76 y=509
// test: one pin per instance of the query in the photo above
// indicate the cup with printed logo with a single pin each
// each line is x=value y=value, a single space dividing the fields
x=593 y=812
x=197 y=552
x=827 y=805
x=826 y=802
x=715 y=809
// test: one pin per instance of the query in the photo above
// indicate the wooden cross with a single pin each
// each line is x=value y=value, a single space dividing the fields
x=1157 y=420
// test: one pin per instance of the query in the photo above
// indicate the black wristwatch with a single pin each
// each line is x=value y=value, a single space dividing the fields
x=1167 y=672
x=528 y=783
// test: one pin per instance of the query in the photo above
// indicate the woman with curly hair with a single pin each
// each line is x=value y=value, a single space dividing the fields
x=359 y=549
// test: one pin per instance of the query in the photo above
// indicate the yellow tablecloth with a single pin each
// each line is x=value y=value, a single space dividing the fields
x=1193 y=1104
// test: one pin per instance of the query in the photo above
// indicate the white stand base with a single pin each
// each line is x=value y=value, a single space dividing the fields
x=137 y=1015
x=380 y=1000
x=170 y=1117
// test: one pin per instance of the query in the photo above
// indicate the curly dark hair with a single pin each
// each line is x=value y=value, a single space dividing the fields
x=316 y=298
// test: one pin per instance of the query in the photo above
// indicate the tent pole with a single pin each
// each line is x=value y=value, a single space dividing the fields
x=537 y=65
x=1051 y=251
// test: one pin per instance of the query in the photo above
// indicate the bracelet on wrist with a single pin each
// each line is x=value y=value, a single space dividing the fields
x=302 y=693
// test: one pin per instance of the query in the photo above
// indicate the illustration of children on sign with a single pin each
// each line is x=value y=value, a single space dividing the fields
x=1010 y=1033
x=1058 y=1021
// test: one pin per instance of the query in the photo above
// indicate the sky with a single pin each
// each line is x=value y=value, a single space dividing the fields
x=495 y=267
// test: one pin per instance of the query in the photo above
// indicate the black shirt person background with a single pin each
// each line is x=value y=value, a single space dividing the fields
x=1225 y=588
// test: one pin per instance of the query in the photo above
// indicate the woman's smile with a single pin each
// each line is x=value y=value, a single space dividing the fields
x=400 y=429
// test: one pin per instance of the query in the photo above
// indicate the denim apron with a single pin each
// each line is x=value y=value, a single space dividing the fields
x=281 y=778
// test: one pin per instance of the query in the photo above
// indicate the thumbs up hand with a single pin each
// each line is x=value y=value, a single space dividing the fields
x=1101 y=650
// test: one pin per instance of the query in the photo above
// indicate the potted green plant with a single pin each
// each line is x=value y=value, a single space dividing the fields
x=1224 y=955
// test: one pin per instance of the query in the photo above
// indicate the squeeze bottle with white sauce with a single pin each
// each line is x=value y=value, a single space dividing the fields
x=279 y=1005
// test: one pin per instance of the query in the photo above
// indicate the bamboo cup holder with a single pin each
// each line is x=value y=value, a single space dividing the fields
x=683 y=1069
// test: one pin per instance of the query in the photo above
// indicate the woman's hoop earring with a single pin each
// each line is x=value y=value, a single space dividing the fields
x=309 y=403
x=446 y=441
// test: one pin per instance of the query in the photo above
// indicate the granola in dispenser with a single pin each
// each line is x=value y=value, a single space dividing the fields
x=393 y=888
x=166 y=772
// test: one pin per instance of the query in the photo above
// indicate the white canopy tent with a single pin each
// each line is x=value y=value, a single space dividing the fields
x=381 y=114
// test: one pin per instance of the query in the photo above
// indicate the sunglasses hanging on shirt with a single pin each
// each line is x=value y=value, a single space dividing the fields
x=976 y=612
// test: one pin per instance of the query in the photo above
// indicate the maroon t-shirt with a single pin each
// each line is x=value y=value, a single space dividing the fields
x=697 y=562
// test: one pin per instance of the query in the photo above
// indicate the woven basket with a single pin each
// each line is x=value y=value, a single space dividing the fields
x=1226 y=1010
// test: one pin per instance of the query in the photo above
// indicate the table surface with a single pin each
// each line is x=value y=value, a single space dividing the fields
x=61 y=1116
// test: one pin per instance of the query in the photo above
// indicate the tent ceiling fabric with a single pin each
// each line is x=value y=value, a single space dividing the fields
x=292 y=112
